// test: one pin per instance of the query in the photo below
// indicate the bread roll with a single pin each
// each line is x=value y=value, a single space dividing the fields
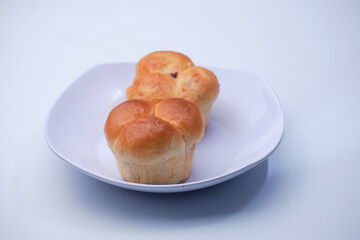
x=166 y=74
x=153 y=142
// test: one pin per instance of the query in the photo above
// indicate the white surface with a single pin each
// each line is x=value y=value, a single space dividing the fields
x=309 y=52
x=246 y=125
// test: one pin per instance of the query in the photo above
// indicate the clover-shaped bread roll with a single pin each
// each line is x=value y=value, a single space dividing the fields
x=154 y=143
x=165 y=74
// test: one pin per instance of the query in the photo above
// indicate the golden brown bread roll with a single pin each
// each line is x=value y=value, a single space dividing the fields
x=154 y=142
x=165 y=74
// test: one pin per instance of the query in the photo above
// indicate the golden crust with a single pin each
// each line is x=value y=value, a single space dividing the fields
x=152 y=86
x=121 y=115
x=146 y=139
x=184 y=115
x=200 y=86
x=165 y=62
x=153 y=142
x=166 y=74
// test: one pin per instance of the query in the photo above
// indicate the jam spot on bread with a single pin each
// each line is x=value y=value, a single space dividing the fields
x=174 y=75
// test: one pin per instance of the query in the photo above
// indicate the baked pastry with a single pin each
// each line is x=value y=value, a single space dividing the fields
x=154 y=143
x=165 y=74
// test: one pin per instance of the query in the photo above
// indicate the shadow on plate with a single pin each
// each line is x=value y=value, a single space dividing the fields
x=217 y=201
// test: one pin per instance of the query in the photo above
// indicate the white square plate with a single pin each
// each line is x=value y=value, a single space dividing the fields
x=246 y=125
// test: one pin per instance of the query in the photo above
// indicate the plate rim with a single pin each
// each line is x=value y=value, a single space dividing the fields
x=169 y=188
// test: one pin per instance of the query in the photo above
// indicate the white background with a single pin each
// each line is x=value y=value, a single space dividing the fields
x=309 y=52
